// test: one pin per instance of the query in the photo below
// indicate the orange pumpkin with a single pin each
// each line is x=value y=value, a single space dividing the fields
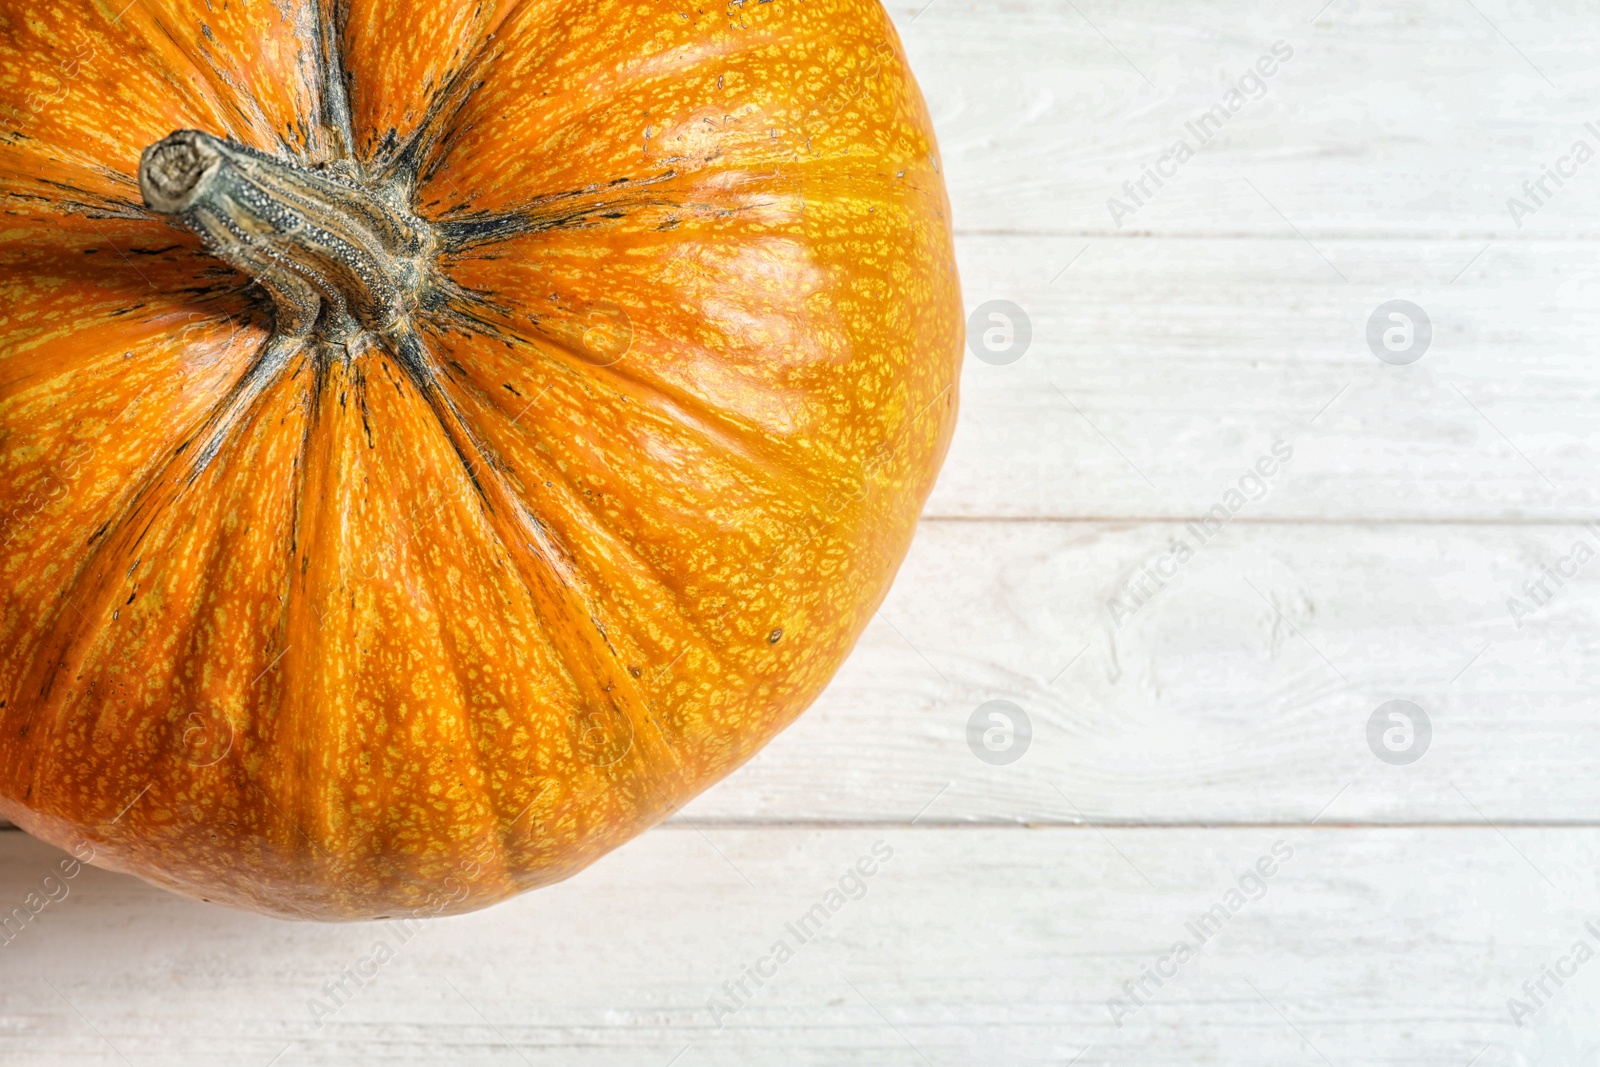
x=437 y=440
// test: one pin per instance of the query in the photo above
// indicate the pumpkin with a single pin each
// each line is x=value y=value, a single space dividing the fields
x=438 y=440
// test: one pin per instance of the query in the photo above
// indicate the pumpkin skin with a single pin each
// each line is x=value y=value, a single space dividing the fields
x=381 y=640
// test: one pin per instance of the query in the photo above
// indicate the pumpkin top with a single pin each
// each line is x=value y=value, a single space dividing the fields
x=475 y=431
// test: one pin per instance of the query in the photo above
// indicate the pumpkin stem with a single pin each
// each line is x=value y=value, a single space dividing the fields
x=336 y=256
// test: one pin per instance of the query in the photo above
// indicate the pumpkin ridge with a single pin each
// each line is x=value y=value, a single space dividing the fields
x=420 y=153
x=729 y=432
x=144 y=501
x=576 y=499
x=547 y=572
x=333 y=75
x=178 y=176
x=98 y=585
x=310 y=801
x=380 y=137
x=463 y=232
x=227 y=98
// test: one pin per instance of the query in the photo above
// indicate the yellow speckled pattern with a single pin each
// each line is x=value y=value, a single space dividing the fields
x=339 y=672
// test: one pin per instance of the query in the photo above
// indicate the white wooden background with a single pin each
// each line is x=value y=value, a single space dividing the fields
x=1168 y=754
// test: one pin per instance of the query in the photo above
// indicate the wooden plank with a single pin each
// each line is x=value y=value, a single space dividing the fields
x=1213 y=702
x=963 y=947
x=1160 y=370
x=1239 y=692
x=1220 y=317
x=1389 y=119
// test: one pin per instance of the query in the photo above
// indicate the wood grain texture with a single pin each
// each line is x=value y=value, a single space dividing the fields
x=963 y=948
x=1212 y=702
x=1239 y=692
x=1401 y=119
x=1222 y=316
x=1161 y=368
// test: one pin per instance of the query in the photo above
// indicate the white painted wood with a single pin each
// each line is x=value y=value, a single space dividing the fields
x=1221 y=316
x=1214 y=703
x=1408 y=119
x=969 y=947
x=1161 y=368
x=1276 y=243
